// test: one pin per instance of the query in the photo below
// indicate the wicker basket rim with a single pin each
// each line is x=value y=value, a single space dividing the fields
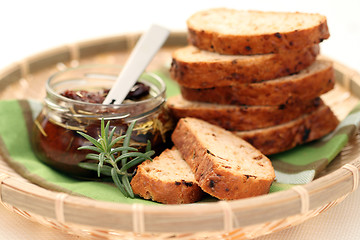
x=25 y=190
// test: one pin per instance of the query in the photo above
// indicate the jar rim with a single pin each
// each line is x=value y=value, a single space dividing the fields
x=50 y=90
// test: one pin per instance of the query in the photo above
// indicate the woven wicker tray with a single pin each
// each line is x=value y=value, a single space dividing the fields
x=240 y=219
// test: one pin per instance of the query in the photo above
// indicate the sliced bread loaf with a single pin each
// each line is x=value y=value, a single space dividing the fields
x=288 y=135
x=230 y=31
x=239 y=117
x=167 y=179
x=196 y=68
x=224 y=165
x=307 y=84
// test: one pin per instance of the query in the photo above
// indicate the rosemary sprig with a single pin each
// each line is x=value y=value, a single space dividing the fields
x=115 y=162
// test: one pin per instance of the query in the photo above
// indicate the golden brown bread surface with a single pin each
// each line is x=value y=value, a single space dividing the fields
x=230 y=31
x=167 y=179
x=224 y=165
x=308 y=84
x=240 y=118
x=283 y=137
x=194 y=68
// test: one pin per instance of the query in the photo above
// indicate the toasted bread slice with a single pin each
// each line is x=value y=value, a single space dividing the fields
x=240 y=118
x=288 y=135
x=194 y=68
x=224 y=165
x=229 y=31
x=308 y=84
x=167 y=179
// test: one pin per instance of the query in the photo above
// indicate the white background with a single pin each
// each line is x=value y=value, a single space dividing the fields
x=29 y=27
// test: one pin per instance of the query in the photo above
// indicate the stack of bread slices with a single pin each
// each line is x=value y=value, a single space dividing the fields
x=256 y=74
x=251 y=85
x=205 y=159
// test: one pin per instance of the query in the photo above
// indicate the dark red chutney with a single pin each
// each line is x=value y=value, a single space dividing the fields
x=138 y=92
x=57 y=143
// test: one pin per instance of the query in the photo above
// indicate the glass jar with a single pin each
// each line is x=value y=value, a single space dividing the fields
x=55 y=139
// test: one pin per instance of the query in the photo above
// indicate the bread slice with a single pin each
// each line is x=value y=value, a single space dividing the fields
x=230 y=31
x=307 y=84
x=240 y=118
x=194 y=68
x=224 y=165
x=167 y=179
x=288 y=135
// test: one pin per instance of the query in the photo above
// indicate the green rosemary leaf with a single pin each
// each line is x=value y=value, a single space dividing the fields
x=102 y=128
x=101 y=158
x=92 y=148
x=137 y=161
x=110 y=139
x=92 y=156
x=101 y=162
x=129 y=154
x=102 y=141
x=128 y=134
x=150 y=153
x=98 y=170
x=116 y=140
x=91 y=139
x=117 y=182
x=105 y=170
x=127 y=141
x=106 y=134
x=89 y=166
x=112 y=158
x=148 y=146
x=120 y=149
x=127 y=186
x=132 y=163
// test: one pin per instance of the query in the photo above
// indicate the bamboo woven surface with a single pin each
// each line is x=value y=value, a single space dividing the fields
x=261 y=215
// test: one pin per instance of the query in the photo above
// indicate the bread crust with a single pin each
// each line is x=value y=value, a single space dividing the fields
x=225 y=71
x=214 y=179
x=246 y=44
x=286 y=136
x=168 y=192
x=240 y=118
x=285 y=90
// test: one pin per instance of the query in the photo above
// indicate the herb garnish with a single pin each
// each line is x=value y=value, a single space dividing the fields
x=115 y=162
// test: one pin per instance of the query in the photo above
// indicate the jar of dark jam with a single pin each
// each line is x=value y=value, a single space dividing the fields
x=55 y=139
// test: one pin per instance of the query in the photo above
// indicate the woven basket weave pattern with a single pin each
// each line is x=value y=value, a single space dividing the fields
x=22 y=80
